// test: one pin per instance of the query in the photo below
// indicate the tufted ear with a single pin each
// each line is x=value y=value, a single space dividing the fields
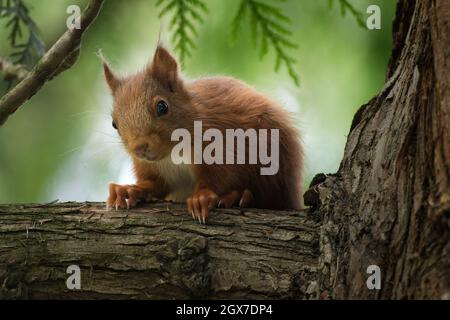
x=164 y=69
x=112 y=80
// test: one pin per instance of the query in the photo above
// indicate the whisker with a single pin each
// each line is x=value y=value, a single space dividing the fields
x=90 y=146
x=96 y=114
x=95 y=154
x=70 y=151
x=107 y=134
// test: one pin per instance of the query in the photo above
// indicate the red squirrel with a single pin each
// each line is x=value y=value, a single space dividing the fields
x=151 y=104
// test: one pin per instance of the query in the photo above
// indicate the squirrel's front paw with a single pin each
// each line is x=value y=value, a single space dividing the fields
x=200 y=203
x=125 y=196
x=241 y=198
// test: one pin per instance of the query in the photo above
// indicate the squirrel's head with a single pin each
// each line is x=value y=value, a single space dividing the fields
x=149 y=105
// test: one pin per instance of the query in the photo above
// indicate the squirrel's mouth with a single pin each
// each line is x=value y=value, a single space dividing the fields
x=147 y=157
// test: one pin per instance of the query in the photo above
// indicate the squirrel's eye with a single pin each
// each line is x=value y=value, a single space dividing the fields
x=162 y=108
x=114 y=125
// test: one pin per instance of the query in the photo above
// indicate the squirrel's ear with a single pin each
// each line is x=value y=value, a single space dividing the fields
x=165 y=69
x=112 y=80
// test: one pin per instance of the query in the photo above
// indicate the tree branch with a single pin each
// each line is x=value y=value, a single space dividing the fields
x=156 y=252
x=61 y=56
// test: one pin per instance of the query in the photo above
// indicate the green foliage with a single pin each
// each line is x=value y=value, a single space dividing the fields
x=18 y=16
x=345 y=7
x=268 y=23
x=270 y=27
x=184 y=29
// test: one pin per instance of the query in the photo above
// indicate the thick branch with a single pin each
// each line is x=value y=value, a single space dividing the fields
x=156 y=252
x=61 y=56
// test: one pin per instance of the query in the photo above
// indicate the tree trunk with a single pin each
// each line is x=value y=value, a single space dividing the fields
x=389 y=203
x=158 y=252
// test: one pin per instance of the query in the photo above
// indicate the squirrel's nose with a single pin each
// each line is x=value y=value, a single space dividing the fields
x=141 y=150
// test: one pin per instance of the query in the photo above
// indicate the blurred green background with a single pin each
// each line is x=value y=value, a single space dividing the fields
x=60 y=144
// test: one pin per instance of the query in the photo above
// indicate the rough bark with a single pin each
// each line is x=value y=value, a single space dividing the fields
x=389 y=203
x=156 y=252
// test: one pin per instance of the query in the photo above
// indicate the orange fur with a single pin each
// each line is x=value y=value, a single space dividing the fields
x=219 y=102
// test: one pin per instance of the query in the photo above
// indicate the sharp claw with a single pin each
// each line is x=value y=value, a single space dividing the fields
x=192 y=213
x=128 y=205
x=219 y=204
x=203 y=220
x=240 y=203
x=117 y=207
x=199 y=220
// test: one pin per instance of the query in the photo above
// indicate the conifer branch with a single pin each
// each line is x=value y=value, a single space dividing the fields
x=270 y=27
x=183 y=11
x=17 y=13
x=346 y=6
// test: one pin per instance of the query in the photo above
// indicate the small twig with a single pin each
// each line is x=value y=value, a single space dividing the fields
x=47 y=203
x=12 y=71
x=90 y=216
x=61 y=56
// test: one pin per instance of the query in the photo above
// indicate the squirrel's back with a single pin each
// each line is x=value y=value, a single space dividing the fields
x=227 y=103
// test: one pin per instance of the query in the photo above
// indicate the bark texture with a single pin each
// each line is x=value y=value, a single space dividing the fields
x=157 y=252
x=389 y=203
